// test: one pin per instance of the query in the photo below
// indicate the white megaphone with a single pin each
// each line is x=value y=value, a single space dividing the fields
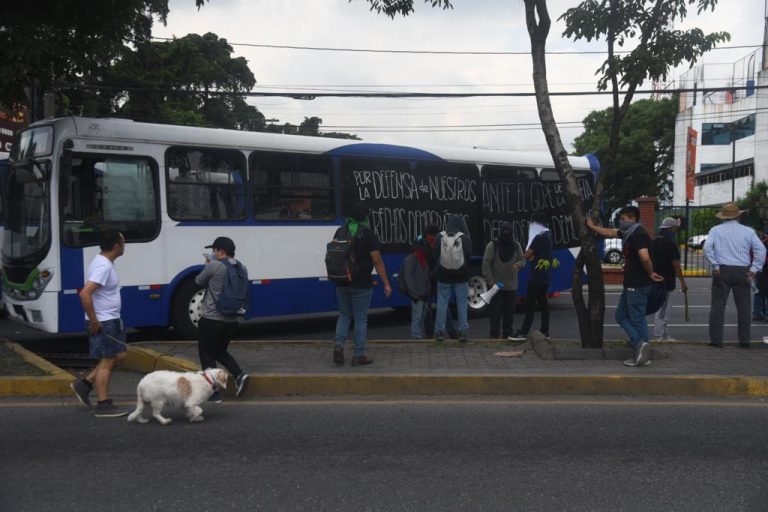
x=487 y=296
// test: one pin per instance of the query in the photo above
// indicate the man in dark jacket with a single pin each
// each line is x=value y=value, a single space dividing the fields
x=539 y=252
x=666 y=263
x=355 y=298
x=453 y=251
x=502 y=261
x=414 y=279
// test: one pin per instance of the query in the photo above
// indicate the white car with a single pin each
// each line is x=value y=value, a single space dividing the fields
x=697 y=242
x=612 y=251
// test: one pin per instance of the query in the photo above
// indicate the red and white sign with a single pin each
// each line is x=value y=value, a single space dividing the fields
x=690 y=164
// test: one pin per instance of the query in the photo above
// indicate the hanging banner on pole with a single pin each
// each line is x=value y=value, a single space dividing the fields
x=690 y=164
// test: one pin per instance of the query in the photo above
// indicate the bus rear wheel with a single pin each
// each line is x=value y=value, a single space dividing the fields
x=187 y=309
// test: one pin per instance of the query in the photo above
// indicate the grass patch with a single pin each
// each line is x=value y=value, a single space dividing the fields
x=12 y=365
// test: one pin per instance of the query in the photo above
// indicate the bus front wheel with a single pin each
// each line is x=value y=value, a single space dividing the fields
x=187 y=309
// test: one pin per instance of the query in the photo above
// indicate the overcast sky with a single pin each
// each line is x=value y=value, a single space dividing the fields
x=472 y=25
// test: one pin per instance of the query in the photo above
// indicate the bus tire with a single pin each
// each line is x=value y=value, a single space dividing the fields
x=186 y=309
x=477 y=286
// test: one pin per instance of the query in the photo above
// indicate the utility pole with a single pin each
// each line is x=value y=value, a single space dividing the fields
x=765 y=35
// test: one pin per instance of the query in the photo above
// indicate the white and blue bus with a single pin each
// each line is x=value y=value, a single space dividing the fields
x=172 y=189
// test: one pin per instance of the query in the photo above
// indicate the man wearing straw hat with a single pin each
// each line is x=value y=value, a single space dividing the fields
x=736 y=254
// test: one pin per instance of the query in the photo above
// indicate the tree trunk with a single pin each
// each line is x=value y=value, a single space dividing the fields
x=590 y=314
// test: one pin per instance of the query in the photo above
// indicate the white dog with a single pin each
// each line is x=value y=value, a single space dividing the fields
x=187 y=390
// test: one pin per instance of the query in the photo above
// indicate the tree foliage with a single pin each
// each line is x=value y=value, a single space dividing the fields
x=756 y=204
x=46 y=44
x=644 y=162
x=405 y=7
x=648 y=26
x=309 y=127
x=192 y=80
x=657 y=47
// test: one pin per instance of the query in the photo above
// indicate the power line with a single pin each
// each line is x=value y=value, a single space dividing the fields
x=311 y=95
x=433 y=52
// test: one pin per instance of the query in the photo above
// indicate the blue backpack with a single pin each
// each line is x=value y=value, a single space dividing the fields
x=236 y=296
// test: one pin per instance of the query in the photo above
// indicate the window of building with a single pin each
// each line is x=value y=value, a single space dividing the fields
x=292 y=187
x=725 y=133
x=205 y=184
x=742 y=171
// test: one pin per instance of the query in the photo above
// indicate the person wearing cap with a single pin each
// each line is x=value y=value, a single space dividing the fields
x=666 y=263
x=735 y=254
x=215 y=329
x=355 y=298
x=638 y=278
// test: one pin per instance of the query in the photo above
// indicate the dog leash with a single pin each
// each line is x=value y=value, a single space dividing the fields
x=105 y=333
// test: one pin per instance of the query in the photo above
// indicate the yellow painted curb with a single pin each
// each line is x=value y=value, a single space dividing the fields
x=696 y=273
x=354 y=383
x=272 y=385
x=146 y=360
x=56 y=383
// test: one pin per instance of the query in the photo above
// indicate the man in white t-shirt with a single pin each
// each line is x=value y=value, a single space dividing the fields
x=106 y=334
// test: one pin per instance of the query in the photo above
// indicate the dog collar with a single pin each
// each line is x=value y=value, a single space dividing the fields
x=208 y=378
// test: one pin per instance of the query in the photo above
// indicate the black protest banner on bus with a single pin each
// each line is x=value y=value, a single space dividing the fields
x=404 y=197
x=513 y=194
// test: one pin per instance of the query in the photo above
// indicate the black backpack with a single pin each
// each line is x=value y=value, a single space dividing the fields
x=340 y=259
x=656 y=297
x=235 y=297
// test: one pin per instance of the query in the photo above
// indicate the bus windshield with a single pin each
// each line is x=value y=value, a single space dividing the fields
x=28 y=222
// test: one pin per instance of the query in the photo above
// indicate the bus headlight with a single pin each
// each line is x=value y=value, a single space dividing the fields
x=31 y=290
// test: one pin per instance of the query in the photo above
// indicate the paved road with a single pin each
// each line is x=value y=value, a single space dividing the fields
x=464 y=454
x=388 y=324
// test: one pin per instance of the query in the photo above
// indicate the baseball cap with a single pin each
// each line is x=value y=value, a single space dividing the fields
x=224 y=243
x=668 y=222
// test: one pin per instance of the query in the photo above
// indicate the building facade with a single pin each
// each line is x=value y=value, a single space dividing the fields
x=720 y=137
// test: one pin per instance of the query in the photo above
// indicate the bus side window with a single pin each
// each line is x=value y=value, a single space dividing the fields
x=205 y=184
x=108 y=192
x=292 y=187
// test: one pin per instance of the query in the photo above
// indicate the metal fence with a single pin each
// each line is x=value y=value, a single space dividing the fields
x=695 y=223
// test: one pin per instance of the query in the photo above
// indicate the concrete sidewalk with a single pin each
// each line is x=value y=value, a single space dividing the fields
x=408 y=368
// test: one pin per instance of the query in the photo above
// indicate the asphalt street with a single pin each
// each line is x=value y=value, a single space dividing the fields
x=409 y=455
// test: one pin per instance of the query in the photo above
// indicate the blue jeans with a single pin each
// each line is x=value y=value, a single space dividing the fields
x=353 y=305
x=460 y=290
x=419 y=312
x=630 y=314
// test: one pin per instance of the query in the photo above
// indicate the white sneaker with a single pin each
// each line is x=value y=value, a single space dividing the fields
x=643 y=357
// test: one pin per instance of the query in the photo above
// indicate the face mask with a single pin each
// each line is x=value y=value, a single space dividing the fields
x=625 y=225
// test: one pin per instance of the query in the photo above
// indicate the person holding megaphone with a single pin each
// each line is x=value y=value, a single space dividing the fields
x=502 y=262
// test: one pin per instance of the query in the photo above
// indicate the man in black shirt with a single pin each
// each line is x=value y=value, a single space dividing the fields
x=666 y=262
x=638 y=278
x=539 y=253
x=355 y=297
